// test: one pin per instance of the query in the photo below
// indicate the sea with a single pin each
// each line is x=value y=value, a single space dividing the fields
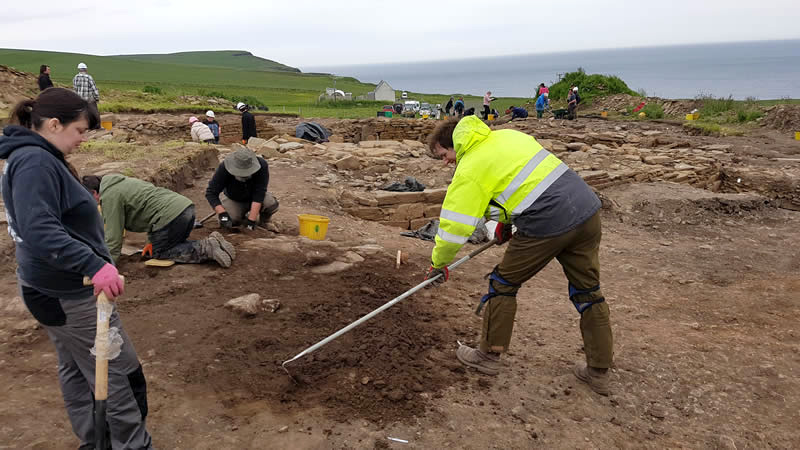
x=763 y=69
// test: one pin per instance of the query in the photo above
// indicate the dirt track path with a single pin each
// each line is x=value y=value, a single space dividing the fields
x=704 y=318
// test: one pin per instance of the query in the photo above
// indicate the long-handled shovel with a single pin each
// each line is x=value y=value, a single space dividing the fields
x=101 y=366
x=385 y=306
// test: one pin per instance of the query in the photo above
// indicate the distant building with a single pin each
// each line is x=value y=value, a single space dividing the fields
x=382 y=92
x=335 y=94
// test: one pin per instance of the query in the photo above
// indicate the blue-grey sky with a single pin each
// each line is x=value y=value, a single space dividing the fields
x=305 y=33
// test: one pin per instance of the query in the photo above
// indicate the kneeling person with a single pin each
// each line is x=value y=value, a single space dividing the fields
x=242 y=179
x=167 y=218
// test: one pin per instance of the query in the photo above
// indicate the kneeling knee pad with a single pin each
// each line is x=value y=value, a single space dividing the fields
x=495 y=277
x=582 y=306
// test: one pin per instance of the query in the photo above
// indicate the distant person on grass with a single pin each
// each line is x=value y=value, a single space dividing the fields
x=542 y=103
x=200 y=131
x=572 y=103
x=83 y=84
x=44 y=78
x=518 y=112
x=458 y=107
x=487 y=101
x=248 y=122
x=212 y=125
x=59 y=240
x=448 y=106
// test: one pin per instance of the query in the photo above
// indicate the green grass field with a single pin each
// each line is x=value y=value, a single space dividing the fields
x=234 y=75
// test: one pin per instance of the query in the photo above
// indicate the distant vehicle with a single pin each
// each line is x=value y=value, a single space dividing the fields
x=398 y=108
x=404 y=94
x=389 y=108
x=425 y=109
x=410 y=108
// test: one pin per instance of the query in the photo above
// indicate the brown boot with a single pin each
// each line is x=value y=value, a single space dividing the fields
x=211 y=249
x=597 y=379
x=484 y=362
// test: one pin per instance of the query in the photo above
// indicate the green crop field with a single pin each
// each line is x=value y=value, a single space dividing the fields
x=153 y=83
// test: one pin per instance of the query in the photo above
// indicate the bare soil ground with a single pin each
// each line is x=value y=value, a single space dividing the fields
x=703 y=288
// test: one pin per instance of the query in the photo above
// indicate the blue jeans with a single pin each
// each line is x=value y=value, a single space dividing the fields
x=171 y=241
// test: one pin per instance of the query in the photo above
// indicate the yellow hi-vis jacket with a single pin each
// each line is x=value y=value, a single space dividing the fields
x=505 y=167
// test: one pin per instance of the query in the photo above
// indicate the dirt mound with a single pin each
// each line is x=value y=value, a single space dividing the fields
x=384 y=370
x=783 y=117
x=621 y=103
x=15 y=86
x=676 y=204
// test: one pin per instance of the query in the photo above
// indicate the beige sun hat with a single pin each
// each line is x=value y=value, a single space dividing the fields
x=242 y=162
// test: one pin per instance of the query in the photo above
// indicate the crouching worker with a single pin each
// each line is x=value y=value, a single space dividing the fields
x=58 y=236
x=242 y=179
x=167 y=218
x=507 y=176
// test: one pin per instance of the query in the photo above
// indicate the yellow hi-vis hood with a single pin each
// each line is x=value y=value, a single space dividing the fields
x=499 y=174
x=469 y=132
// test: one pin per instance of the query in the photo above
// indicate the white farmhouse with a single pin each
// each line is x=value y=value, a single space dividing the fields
x=382 y=92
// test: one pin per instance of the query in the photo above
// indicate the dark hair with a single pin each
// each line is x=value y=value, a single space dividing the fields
x=55 y=103
x=442 y=134
x=92 y=182
x=42 y=68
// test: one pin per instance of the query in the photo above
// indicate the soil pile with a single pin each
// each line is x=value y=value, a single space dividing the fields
x=15 y=86
x=783 y=117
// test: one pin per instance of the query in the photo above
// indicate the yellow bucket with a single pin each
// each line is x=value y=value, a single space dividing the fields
x=690 y=117
x=604 y=114
x=696 y=116
x=491 y=117
x=313 y=227
x=106 y=125
x=797 y=135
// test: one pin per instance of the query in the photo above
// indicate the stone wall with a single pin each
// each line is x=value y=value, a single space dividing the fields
x=407 y=210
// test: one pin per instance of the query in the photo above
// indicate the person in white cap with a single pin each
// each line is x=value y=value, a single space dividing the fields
x=248 y=122
x=200 y=132
x=572 y=103
x=212 y=125
x=83 y=85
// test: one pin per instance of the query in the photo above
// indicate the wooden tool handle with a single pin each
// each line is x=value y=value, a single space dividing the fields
x=88 y=281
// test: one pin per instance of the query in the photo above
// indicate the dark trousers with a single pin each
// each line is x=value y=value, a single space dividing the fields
x=539 y=113
x=485 y=111
x=578 y=253
x=171 y=241
x=572 y=114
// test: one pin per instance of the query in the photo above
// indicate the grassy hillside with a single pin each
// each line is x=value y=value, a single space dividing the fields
x=232 y=59
x=151 y=83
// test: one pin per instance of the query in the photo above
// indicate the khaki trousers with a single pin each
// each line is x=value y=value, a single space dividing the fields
x=578 y=253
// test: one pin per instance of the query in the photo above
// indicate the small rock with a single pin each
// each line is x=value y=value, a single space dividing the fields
x=246 y=305
x=365 y=380
x=658 y=411
x=396 y=395
x=353 y=257
x=270 y=304
x=706 y=247
x=289 y=146
x=283 y=429
x=368 y=290
x=334 y=267
x=726 y=443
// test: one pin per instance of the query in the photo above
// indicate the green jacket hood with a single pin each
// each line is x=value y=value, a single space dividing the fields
x=469 y=132
x=110 y=180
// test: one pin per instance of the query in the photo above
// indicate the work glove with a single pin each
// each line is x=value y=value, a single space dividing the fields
x=432 y=272
x=107 y=280
x=147 y=251
x=503 y=233
x=225 y=221
x=249 y=225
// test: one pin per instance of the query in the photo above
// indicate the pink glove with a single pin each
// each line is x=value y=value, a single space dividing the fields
x=107 y=280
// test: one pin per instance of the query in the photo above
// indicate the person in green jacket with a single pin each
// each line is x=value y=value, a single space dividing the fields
x=507 y=176
x=167 y=218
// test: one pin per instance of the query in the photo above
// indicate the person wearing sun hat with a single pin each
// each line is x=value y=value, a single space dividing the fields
x=242 y=179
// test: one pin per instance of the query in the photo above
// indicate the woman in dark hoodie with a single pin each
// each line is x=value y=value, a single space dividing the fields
x=58 y=234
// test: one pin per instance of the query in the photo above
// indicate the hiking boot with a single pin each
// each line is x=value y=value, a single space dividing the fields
x=213 y=250
x=483 y=362
x=597 y=379
x=226 y=246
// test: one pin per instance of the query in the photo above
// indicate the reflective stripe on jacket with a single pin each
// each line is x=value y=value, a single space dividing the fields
x=499 y=175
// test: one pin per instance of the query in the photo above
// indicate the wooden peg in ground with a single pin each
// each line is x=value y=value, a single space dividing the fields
x=397 y=262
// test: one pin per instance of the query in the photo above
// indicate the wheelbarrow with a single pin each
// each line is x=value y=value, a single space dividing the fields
x=560 y=113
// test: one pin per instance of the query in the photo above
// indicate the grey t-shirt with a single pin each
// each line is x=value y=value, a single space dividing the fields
x=567 y=203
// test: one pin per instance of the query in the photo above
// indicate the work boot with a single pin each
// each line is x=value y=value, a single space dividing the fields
x=484 y=362
x=212 y=250
x=226 y=246
x=597 y=379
